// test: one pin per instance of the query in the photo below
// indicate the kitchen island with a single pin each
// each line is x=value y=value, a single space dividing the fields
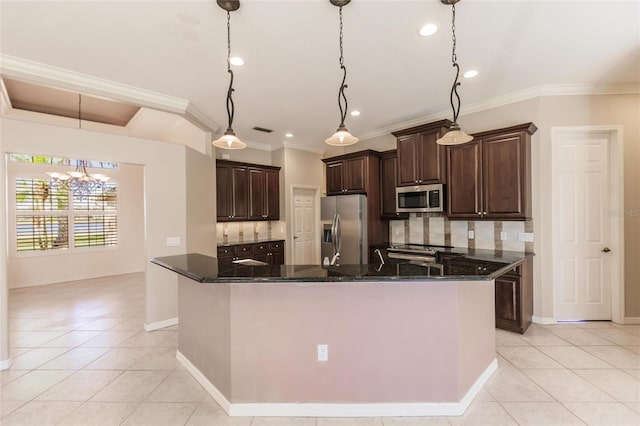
x=402 y=340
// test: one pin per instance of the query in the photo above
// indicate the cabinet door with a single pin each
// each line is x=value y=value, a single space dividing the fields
x=354 y=174
x=257 y=195
x=507 y=297
x=272 y=204
x=277 y=253
x=335 y=172
x=240 y=193
x=465 y=181
x=503 y=175
x=225 y=262
x=407 y=162
x=224 y=207
x=388 y=177
x=431 y=159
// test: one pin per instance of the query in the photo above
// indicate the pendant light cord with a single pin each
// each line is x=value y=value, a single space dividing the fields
x=79 y=111
x=341 y=96
x=454 y=60
x=230 y=104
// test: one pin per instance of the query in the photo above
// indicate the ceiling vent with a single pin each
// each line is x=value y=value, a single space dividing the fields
x=262 y=129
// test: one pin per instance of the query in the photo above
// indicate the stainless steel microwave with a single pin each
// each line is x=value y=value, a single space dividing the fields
x=420 y=198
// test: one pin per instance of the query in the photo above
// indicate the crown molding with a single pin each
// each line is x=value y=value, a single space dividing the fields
x=290 y=145
x=42 y=74
x=510 y=98
x=5 y=102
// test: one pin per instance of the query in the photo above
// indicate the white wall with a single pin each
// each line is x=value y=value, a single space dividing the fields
x=164 y=197
x=30 y=269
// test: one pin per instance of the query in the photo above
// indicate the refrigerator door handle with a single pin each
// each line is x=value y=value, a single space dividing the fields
x=338 y=235
x=333 y=234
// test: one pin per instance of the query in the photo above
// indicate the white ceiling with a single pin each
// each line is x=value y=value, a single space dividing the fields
x=290 y=79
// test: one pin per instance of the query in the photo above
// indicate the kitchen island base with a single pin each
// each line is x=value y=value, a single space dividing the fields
x=395 y=348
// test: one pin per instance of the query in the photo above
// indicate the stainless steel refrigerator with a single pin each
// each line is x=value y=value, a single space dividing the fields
x=344 y=229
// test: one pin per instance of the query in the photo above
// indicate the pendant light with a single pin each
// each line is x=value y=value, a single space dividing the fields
x=229 y=140
x=342 y=137
x=455 y=136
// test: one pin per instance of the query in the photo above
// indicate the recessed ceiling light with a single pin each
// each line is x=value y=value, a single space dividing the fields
x=237 y=61
x=470 y=74
x=355 y=113
x=289 y=135
x=427 y=30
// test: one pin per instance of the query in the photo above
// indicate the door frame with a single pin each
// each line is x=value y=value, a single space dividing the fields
x=316 y=224
x=614 y=134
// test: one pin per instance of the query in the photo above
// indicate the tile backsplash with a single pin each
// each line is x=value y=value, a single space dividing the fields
x=239 y=232
x=438 y=230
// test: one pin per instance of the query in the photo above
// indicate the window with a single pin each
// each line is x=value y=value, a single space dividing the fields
x=46 y=218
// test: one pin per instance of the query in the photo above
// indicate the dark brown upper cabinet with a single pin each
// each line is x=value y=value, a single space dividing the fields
x=388 y=183
x=490 y=177
x=347 y=175
x=421 y=160
x=247 y=191
x=359 y=173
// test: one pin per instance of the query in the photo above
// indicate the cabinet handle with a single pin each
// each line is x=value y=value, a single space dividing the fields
x=479 y=213
x=484 y=212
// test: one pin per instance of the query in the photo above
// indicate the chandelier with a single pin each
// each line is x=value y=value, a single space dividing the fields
x=455 y=135
x=80 y=182
x=342 y=137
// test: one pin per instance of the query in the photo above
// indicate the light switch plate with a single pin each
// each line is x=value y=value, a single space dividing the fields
x=526 y=237
x=173 y=241
x=323 y=352
x=503 y=236
x=472 y=235
x=226 y=156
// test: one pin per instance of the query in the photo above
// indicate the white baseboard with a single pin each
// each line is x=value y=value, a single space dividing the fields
x=206 y=384
x=160 y=324
x=632 y=320
x=5 y=364
x=337 y=409
x=543 y=320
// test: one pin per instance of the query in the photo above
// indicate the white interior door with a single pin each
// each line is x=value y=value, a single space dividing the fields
x=582 y=275
x=304 y=227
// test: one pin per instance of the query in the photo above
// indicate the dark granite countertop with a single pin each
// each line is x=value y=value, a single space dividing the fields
x=454 y=265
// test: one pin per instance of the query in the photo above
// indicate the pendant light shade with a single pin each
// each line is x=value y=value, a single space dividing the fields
x=342 y=137
x=455 y=136
x=229 y=140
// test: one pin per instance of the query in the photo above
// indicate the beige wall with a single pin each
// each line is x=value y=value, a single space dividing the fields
x=301 y=168
x=546 y=113
x=4 y=291
x=30 y=269
x=201 y=203
x=247 y=155
x=164 y=198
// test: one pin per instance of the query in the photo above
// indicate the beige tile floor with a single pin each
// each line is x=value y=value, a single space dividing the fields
x=81 y=357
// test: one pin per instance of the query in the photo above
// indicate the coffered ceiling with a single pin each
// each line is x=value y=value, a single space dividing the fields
x=290 y=79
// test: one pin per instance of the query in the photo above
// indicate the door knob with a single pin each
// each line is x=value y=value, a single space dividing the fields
x=606 y=250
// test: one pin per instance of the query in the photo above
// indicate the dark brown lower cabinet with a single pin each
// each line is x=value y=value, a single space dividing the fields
x=514 y=298
x=271 y=252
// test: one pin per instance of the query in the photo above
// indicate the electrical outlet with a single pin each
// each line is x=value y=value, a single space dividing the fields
x=323 y=352
x=526 y=237
x=503 y=236
x=472 y=235
x=173 y=241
